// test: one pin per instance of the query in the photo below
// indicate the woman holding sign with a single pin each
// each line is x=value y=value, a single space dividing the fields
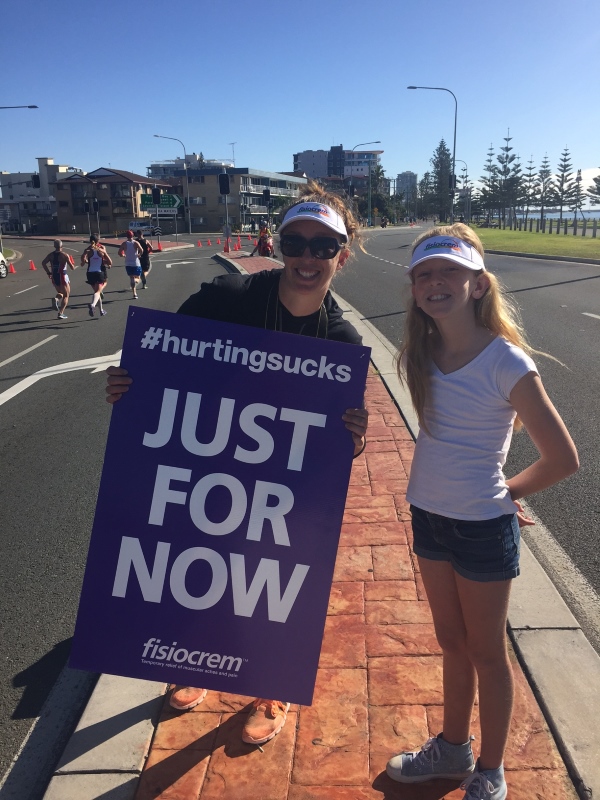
x=316 y=237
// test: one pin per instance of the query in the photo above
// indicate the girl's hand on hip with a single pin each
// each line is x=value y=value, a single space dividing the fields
x=522 y=518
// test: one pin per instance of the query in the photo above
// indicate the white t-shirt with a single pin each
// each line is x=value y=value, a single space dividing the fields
x=131 y=254
x=457 y=467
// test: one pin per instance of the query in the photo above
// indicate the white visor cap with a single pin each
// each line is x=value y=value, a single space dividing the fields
x=320 y=213
x=447 y=247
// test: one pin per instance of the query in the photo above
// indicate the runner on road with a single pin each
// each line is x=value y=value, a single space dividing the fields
x=58 y=263
x=97 y=260
x=316 y=237
x=132 y=251
x=145 y=257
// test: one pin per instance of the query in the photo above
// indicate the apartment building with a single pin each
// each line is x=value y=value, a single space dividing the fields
x=209 y=209
x=27 y=202
x=113 y=197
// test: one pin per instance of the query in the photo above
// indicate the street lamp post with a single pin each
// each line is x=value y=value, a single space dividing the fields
x=442 y=89
x=362 y=144
x=187 y=179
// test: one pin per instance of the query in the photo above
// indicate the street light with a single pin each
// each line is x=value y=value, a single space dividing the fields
x=187 y=180
x=442 y=89
x=18 y=106
x=362 y=144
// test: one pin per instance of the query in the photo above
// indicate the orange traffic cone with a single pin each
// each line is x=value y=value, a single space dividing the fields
x=209 y=243
x=159 y=247
x=11 y=268
x=32 y=266
x=256 y=243
x=226 y=247
x=249 y=238
x=219 y=240
x=199 y=243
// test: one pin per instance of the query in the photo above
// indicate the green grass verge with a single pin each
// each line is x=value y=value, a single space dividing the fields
x=542 y=243
x=8 y=254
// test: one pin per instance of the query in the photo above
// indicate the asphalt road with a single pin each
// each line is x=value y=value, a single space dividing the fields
x=51 y=452
x=54 y=431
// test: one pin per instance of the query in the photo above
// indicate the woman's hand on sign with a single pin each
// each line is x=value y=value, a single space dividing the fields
x=117 y=383
x=357 y=420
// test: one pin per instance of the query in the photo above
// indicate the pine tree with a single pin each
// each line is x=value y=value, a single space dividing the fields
x=489 y=192
x=594 y=192
x=547 y=188
x=565 y=184
x=509 y=177
x=441 y=161
x=466 y=191
x=426 y=195
x=531 y=188
x=578 y=196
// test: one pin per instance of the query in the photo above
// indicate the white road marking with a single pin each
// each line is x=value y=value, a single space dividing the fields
x=29 y=349
x=26 y=290
x=176 y=263
x=587 y=314
x=98 y=364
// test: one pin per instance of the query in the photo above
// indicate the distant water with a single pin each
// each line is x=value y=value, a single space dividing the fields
x=587 y=214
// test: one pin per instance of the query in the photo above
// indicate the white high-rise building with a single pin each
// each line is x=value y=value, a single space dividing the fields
x=406 y=182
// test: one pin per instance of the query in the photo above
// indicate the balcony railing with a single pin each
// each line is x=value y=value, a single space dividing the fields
x=276 y=191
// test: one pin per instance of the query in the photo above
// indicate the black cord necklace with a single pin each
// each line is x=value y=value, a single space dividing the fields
x=273 y=316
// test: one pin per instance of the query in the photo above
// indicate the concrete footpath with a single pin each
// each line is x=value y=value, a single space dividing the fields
x=379 y=684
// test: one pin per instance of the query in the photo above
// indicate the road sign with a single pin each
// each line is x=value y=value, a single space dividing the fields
x=166 y=212
x=157 y=231
x=166 y=201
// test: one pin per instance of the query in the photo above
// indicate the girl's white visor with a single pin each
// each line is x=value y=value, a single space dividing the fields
x=447 y=247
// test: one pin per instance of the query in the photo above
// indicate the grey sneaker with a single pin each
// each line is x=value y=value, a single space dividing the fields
x=436 y=759
x=486 y=784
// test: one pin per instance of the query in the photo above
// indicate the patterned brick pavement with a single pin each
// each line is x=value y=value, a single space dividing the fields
x=379 y=685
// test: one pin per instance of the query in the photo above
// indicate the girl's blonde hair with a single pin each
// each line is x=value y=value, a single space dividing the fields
x=313 y=192
x=494 y=310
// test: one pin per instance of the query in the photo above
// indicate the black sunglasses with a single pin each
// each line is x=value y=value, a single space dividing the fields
x=322 y=247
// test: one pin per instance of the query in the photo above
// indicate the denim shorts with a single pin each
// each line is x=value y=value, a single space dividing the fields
x=486 y=550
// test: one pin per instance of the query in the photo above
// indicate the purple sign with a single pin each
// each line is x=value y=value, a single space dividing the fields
x=220 y=507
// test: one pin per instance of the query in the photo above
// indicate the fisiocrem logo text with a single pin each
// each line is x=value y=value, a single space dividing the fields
x=155 y=651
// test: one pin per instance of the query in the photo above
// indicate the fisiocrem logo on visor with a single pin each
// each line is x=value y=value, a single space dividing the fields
x=313 y=210
x=449 y=244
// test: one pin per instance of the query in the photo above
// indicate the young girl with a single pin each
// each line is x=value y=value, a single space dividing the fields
x=469 y=372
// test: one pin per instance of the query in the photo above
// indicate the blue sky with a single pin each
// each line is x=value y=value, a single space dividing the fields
x=277 y=77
